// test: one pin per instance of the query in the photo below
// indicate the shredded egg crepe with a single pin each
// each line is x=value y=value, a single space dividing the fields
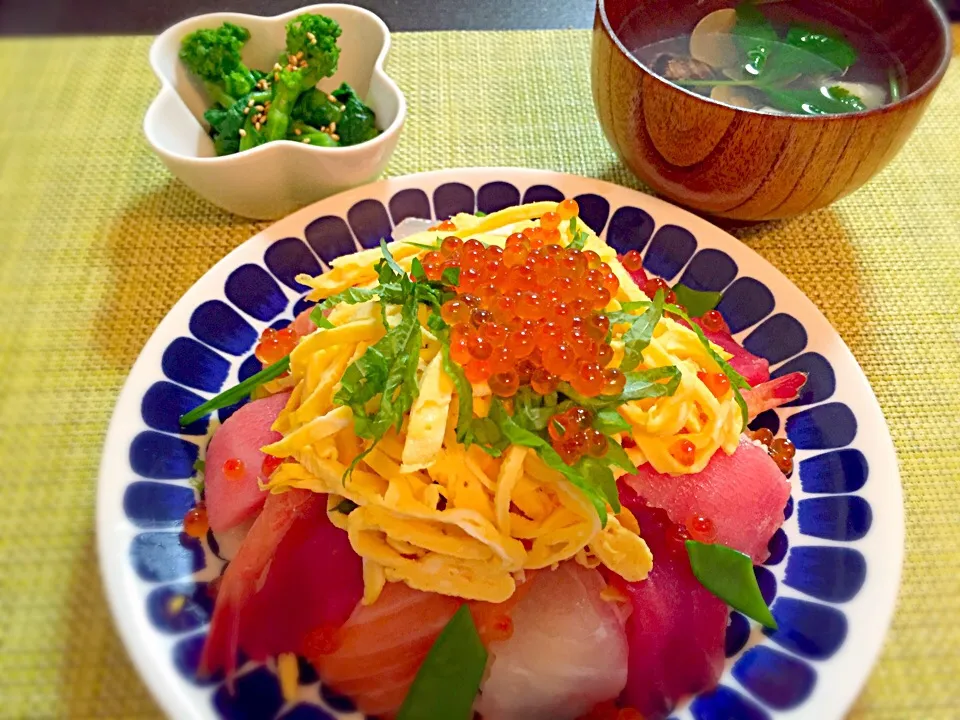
x=425 y=509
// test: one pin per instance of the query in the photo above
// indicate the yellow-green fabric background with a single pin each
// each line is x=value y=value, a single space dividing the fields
x=97 y=242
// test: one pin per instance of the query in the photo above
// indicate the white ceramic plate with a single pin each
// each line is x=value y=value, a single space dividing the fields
x=834 y=569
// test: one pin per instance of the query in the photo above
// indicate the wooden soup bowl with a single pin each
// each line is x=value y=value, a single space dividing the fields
x=743 y=164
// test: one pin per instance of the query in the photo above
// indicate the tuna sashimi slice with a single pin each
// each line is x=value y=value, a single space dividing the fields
x=677 y=628
x=743 y=494
x=315 y=580
x=568 y=651
x=381 y=647
x=230 y=501
x=246 y=573
x=774 y=393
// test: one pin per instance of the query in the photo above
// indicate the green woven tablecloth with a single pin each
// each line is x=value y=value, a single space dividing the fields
x=97 y=242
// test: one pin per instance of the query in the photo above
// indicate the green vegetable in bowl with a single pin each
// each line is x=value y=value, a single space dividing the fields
x=214 y=57
x=358 y=123
x=318 y=109
x=252 y=107
x=302 y=132
x=311 y=55
x=226 y=124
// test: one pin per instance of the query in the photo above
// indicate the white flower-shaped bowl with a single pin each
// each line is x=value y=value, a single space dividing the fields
x=275 y=179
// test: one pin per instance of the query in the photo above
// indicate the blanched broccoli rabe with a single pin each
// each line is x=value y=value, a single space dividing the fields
x=317 y=108
x=311 y=55
x=254 y=107
x=214 y=57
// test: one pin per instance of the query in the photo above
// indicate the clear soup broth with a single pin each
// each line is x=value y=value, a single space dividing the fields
x=774 y=56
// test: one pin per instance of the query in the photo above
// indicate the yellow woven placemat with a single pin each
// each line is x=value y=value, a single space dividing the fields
x=97 y=242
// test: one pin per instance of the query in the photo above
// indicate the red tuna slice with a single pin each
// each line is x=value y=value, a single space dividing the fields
x=754 y=369
x=774 y=393
x=676 y=631
x=246 y=573
x=743 y=494
x=315 y=580
x=229 y=500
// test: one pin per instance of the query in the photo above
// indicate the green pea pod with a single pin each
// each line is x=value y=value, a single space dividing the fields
x=698 y=303
x=447 y=683
x=729 y=575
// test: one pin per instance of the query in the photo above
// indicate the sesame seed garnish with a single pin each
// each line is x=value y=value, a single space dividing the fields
x=343 y=108
x=335 y=137
x=333 y=127
x=306 y=140
x=251 y=103
x=300 y=55
x=331 y=98
x=259 y=108
x=257 y=126
x=276 y=66
x=276 y=76
x=246 y=111
x=298 y=131
x=243 y=133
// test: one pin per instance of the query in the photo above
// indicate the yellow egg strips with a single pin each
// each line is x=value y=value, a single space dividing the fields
x=445 y=518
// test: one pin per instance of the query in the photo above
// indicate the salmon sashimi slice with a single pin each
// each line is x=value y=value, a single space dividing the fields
x=246 y=573
x=381 y=647
x=235 y=499
x=742 y=494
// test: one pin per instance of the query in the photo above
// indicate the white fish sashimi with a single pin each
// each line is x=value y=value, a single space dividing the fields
x=567 y=653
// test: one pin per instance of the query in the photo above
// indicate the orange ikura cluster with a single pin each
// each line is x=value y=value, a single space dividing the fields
x=781 y=450
x=275 y=345
x=530 y=313
x=572 y=436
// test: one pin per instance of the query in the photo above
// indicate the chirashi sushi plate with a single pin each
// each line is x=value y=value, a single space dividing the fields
x=833 y=569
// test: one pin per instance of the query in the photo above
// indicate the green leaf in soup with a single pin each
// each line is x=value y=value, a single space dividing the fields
x=729 y=575
x=697 y=302
x=830 y=47
x=754 y=35
x=820 y=101
x=446 y=685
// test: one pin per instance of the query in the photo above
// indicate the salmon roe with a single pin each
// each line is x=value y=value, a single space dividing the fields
x=781 y=450
x=233 y=468
x=269 y=466
x=717 y=383
x=684 y=452
x=501 y=629
x=701 y=529
x=195 y=523
x=530 y=313
x=572 y=436
x=275 y=345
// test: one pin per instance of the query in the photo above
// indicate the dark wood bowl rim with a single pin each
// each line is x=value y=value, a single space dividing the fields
x=921 y=91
